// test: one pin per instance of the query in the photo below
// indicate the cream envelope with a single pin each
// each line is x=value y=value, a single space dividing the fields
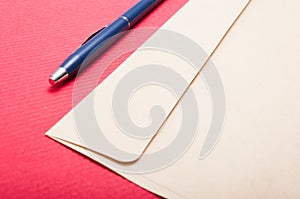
x=106 y=120
x=258 y=154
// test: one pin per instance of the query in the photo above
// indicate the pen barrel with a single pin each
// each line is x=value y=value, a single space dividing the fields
x=139 y=10
x=84 y=55
x=98 y=43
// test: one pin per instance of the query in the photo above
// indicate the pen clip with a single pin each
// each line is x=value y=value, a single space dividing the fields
x=93 y=35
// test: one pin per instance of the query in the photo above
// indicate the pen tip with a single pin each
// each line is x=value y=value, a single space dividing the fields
x=58 y=76
x=52 y=81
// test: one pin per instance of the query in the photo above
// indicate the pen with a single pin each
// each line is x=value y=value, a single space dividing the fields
x=96 y=41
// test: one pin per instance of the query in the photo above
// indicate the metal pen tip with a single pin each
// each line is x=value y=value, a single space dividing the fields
x=51 y=81
x=58 y=76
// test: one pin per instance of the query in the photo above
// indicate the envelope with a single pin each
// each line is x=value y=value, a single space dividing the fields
x=219 y=131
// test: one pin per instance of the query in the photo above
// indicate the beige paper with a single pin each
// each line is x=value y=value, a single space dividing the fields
x=203 y=22
x=258 y=153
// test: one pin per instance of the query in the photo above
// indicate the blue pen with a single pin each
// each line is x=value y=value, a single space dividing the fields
x=96 y=42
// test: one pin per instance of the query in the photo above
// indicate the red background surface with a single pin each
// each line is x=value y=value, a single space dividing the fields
x=35 y=37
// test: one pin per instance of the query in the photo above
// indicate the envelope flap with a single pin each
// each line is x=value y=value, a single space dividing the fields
x=123 y=114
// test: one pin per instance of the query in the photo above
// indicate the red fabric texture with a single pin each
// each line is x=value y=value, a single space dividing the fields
x=35 y=37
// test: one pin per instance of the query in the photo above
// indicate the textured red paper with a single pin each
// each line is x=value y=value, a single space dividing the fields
x=35 y=37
